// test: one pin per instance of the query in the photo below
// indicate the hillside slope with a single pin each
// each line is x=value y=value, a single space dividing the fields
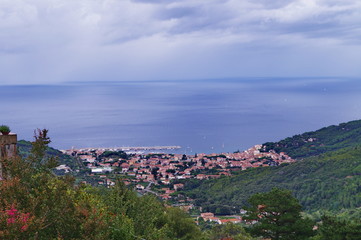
x=24 y=149
x=324 y=140
x=331 y=181
x=327 y=175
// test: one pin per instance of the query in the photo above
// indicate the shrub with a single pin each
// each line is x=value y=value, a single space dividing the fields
x=4 y=129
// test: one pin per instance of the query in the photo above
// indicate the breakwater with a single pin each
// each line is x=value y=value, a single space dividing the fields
x=127 y=148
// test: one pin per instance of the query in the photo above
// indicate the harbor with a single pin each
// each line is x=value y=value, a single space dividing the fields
x=126 y=149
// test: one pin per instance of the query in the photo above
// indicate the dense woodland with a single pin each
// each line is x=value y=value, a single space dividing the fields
x=329 y=179
x=321 y=141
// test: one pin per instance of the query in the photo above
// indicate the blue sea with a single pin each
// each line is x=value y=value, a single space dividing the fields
x=211 y=115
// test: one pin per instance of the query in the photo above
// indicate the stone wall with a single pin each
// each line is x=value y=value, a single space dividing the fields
x=7 y=148
x=8 y=145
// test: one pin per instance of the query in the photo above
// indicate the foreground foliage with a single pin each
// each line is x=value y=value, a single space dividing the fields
x=228 y=231
x=278 y=216
x=35 y=204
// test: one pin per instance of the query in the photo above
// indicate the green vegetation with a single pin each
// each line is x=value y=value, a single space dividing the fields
x=4 y=129
x=278 y=216
x=324 y=140
x=228 y=231
x=24 y=150
x=327 y=182
x=327 y=176
x=36 y=204
x=334 y=228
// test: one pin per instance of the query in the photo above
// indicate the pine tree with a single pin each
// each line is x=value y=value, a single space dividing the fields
x=278 y=216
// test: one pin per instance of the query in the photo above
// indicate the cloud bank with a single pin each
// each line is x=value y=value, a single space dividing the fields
x=49 y=41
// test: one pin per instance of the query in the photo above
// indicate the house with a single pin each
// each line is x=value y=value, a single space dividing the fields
x=214 y=219
x=201 y=176
x=178 y=186
x=169 y=191
x=232 y=220
x=186 y=208
x=97 y=170
x=101 y=170
x=207 y=216
x=63 y=167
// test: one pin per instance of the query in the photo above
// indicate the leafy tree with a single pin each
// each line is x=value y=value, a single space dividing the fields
x=333 y=228
x=278 y=216
x=181 y=226
x=155 y=172
x=228 y=231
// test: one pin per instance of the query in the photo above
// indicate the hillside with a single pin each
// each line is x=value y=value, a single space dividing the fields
x=24 y=149
x=331 y=181
x=327 y=175
x=324 y=140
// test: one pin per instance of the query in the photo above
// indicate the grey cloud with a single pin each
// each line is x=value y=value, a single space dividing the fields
x=308 y=18
x=139 y=39
x=155 y=1
x=337 y=21
x=130 y=20
x=178 y=12
x=273 y=4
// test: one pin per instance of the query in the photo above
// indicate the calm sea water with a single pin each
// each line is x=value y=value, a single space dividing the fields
x=201 y=116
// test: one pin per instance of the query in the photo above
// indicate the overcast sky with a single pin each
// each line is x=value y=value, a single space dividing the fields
x=50 y=41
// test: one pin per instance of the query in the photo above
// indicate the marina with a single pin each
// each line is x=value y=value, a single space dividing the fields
x=127 y=149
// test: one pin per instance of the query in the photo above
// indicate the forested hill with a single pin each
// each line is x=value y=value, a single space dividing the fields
x=326 y=177
x=24 y=149
x=324 y=140
x=331 y=181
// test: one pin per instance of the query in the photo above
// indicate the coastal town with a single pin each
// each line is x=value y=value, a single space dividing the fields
x=165 y=174
x=143 y=170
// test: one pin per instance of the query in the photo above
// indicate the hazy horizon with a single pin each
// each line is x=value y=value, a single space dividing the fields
x=219 y=116
x=51 y=42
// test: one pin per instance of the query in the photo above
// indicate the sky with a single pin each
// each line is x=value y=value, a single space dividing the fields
x=54 y=41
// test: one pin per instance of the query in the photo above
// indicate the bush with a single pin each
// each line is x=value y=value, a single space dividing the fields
x=4 y=129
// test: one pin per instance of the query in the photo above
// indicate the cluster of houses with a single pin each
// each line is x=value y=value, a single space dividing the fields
x=162 y=168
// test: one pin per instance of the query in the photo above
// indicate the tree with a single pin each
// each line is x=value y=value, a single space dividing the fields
x=228 y=231
x=333 y=228
x=181 y=226
x=155 y=172
x=278 y=216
